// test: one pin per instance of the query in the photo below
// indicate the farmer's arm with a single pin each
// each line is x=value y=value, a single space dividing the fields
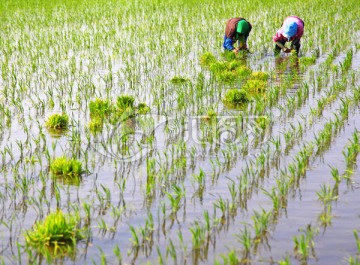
x=229 y=45
x=282 y=46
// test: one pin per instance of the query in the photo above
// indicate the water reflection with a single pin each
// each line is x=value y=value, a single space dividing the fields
x=287 y=69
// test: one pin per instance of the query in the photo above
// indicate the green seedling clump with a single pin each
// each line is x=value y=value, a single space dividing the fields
x=124 y=102
x=218 y=67
x=143 y=108
x=263 y=121
x=58 y=122
x=255 y=86
x=259 y=76
x=96 y=125
x=243 y=72
x=207 y=59
x=177 y=80
x=211 y=114
x=307 y=60
x=57 y=234
x=100 y=108
x=65 y=166
x=236 y=97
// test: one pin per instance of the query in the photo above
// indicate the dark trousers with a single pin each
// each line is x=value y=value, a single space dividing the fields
x=294 y=43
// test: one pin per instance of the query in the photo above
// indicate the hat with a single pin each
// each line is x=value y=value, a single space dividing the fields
x=243 y=27
x=290 y=30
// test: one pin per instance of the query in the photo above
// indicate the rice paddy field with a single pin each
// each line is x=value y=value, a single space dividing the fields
x=128 y=136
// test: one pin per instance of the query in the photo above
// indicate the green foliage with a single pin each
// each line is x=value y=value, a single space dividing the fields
x=211 y=114
x=259 y=76
x=255 y=86
x=100 y=108
x=236 y=97
x=57 y=234
x=124 y=102
x=96 y=125
x=66 y=167
x=307 y=60
x=58 y=122
x=207 y=59
x=263 y=121
x=143 y=108
x=179 y=80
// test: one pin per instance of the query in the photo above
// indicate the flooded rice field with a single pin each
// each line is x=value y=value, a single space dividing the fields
x=120 y=143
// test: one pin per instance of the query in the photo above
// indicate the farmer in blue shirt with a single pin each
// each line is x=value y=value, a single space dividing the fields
x=236 y=30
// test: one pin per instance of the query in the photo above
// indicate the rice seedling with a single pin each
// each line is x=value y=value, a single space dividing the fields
x=142 y=109
x=326 y=216
x=304 y=244
x=245 y=240
x=100 y=108
x=207 y=59
x=58 y=122
x=261 y=221
x=96 y=125
x=354 y=261
x=57 y=234
x=236 y=97
x=255 y=86
x=178 y=80
x=285 y=262
x=66 y=167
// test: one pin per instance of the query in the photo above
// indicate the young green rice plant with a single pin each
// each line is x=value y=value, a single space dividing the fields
x=231 y=258
x=325 y=217
x=346 y=64
x=255 y=86
x=57 y=234
x=198 y=235
x=304 y=244
x=66 y=167
x=211 y=115
x=354 y=261
x=200 y=180
x=236 y=97
x=124 y=102
x=259 y=76
x=118 y=254
x=207 y=59
x=356 y=235
x=335 y=174
x=178 y=80
x=100 y=108
x=135 y=238
x=274 y=197
x=58 y=122
x=175 y=199
x=285 y=262
x=245 y=240
x=261 y=223
x=142 y=108
x=352 y=150
x=96 y=125
x=307 y=61
x=171 y=250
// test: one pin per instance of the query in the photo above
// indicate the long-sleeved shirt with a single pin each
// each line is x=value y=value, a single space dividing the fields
x=231 y=34
x=279 y=37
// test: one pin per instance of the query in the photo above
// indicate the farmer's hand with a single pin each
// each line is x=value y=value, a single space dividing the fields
x=286 y=50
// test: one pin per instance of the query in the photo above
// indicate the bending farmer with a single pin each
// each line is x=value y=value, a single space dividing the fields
x=291 y=30
x=237 y=29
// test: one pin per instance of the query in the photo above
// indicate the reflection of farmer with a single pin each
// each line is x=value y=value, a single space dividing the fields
x=291 y=30
x=237 y=29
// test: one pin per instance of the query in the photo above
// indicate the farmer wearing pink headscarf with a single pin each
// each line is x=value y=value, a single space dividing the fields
x=291 y=30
